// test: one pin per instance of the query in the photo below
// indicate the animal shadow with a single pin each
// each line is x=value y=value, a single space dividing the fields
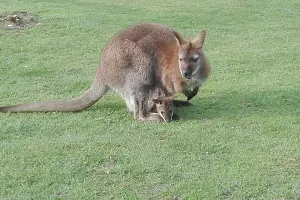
x=240 y=105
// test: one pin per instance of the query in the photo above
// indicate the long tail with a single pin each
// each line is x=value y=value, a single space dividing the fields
x=90 y=97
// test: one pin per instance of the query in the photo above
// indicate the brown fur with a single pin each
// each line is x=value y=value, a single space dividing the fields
x=171 y=77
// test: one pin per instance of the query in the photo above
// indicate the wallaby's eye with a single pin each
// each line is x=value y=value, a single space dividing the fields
x=162 y=112
x=180 y=59
x=194 y=59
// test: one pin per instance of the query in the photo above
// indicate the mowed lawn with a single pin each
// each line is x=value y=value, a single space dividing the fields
x=239 y=140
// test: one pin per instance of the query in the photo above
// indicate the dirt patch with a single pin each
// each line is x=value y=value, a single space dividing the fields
x=18 y=20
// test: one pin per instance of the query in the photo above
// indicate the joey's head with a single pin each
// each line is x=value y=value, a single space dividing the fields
x=164 y=107
x=190 y=54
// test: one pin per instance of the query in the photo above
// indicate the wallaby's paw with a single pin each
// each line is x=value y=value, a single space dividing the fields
x=180 y=103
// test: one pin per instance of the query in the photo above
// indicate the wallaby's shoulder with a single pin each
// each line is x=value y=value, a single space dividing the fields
x=147 y=36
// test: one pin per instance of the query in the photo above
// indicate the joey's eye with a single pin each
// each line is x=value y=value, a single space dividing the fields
x=180 y=59
x=162 y=112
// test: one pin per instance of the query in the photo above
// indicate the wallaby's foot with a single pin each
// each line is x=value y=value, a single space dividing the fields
x=180 y=103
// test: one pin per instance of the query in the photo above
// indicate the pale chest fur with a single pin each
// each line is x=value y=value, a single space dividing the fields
x=195 y=81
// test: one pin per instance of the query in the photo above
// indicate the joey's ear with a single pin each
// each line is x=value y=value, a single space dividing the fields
x=180 y=39
x=198 y=41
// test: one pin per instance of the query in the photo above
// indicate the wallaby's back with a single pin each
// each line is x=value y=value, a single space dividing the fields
x=153 y=46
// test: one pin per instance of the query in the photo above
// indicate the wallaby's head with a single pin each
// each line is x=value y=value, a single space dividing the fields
x=190 y=54
x=164 y=108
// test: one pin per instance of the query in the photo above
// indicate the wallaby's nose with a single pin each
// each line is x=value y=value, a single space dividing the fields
x=187 y=74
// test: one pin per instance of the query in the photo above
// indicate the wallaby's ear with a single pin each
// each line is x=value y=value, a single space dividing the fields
x=157 y=101
x=171 y=99
x=198 y=41
x=180 y=39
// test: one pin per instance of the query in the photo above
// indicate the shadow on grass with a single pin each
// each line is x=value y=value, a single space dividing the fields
x=240 y=105
x=231 y=105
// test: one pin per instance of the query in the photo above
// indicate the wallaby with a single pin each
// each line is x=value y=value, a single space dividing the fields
x=193 y=65
x=163 y=107
x=137 y=61
x=159 y=107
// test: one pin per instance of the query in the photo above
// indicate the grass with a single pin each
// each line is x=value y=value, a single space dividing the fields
x=240 y=140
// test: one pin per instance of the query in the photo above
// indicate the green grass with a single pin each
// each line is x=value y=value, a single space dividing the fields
x=240 y=140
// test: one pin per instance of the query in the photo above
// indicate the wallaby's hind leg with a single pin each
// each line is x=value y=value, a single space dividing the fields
x=142 y=111
x=130 y=103
x=135 y=106
x=136 y=110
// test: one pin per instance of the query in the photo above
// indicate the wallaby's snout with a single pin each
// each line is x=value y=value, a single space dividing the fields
x=187 y=74
x=167 y=117
x=186 y=68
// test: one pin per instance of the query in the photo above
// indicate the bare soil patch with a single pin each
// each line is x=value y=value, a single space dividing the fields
x=18 y=20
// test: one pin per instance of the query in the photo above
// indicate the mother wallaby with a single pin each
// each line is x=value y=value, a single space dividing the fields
x=141 y=62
